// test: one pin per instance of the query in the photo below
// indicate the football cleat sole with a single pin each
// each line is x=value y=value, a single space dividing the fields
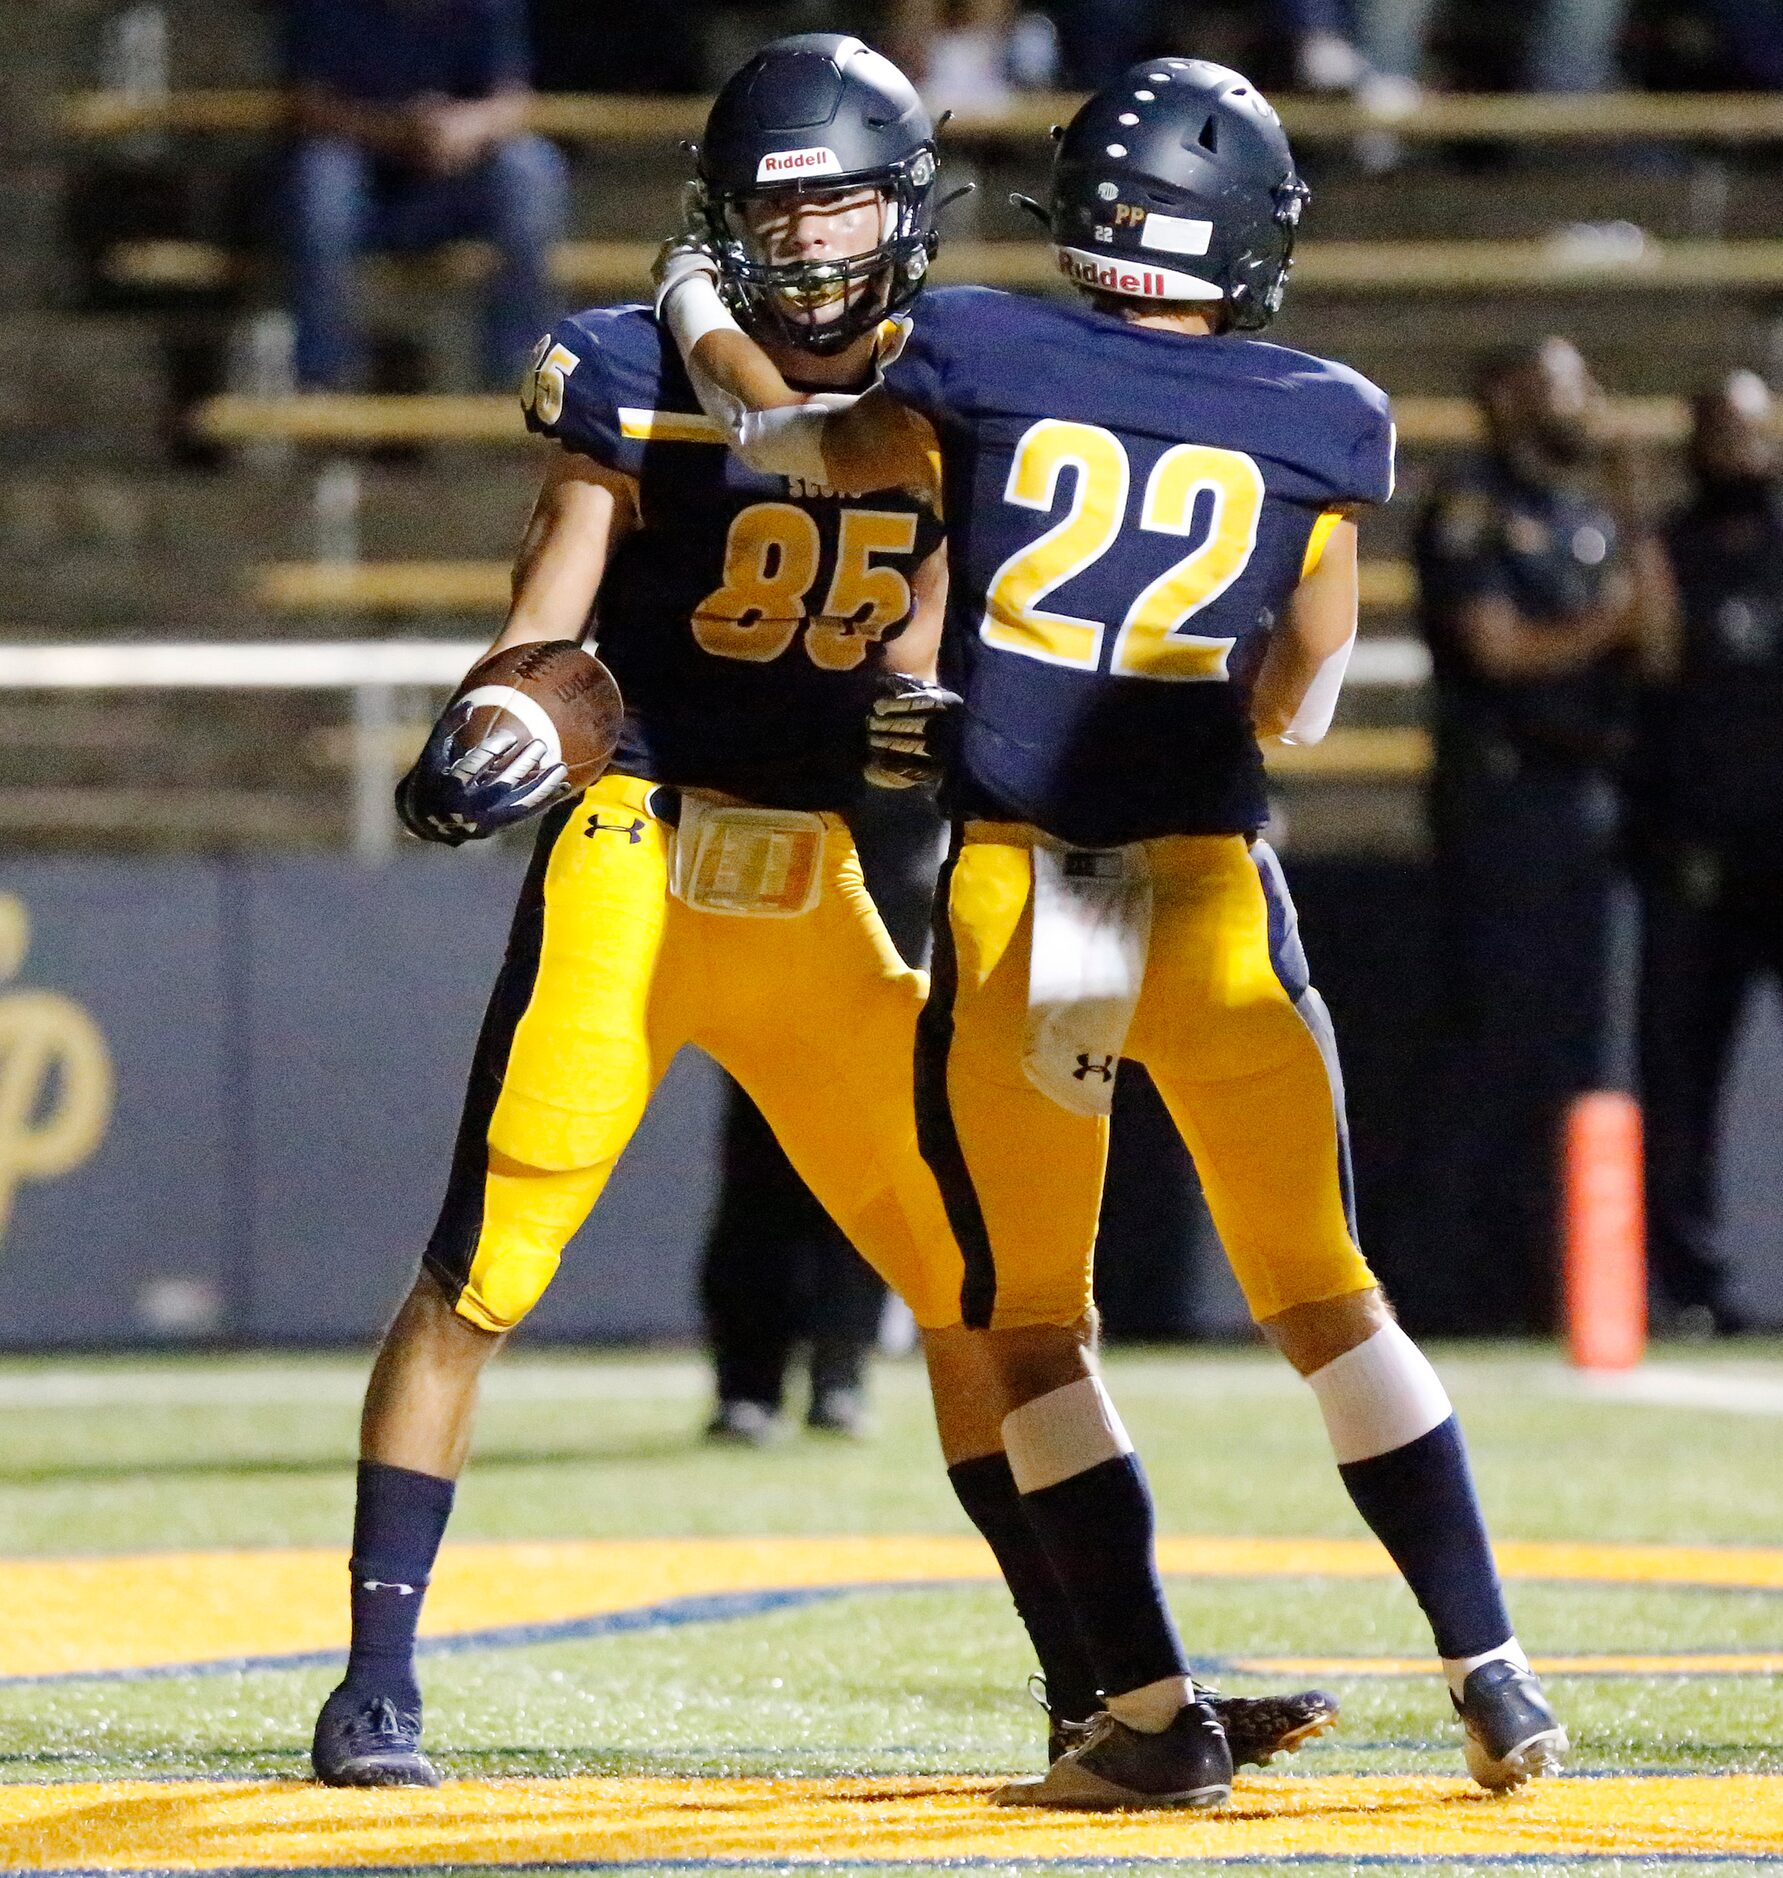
x=1537 y=1758
x=1066 y=1787
x=381 y=1771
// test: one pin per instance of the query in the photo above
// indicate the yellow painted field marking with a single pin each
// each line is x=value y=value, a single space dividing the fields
x=193 y=1827
x=135 y=1611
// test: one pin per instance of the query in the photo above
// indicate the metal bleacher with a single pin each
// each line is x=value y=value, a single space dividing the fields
x=142 y=501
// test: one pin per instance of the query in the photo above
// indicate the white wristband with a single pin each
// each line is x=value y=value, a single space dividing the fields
x=691 y=308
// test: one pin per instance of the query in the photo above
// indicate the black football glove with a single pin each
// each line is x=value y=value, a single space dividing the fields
x=459 y=791
x=912 y=727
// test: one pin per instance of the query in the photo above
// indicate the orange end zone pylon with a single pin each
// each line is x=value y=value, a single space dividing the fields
x=1606 y=1232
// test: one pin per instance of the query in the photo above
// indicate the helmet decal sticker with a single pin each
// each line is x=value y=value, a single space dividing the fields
x=1176 y=234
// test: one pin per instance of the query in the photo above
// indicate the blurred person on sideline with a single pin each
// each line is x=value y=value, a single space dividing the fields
x=1706 y=820
x=778 y=1275
x=778 y=1272
x=409 y=131
x=1528 y=607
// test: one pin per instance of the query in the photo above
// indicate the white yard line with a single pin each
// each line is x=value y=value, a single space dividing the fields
x=1675 y=1385
x=339 y=1382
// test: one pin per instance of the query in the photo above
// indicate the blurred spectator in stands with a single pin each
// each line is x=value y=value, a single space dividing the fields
x=1326 y=57
x=1706 y=819
x=1527 y=605
x=1099 y=39
x=410 y=131
x=956 y=51
x=1752 y=31
x=1571 y=46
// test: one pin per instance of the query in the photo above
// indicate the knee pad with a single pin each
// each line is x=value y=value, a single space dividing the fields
x=529 y=1215
x=506 y=1280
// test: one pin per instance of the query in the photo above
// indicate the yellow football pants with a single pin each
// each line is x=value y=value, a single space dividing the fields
x=1237 y=1041
x=607 y=975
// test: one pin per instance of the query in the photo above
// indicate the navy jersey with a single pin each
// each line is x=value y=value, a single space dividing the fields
x=743 y=618
x=1128 y=510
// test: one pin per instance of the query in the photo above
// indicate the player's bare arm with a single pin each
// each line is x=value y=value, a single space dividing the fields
x=913 y=653
x=872 y=442
x=473 y=779
x=852 y=444
x=1302 y=672
x=584 y=510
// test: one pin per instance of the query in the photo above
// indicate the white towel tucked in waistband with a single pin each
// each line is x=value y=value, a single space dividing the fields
x=1092 y=929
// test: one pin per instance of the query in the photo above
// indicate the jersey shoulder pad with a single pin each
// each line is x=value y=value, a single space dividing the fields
x=930 y=363
x=595 y=381
x=1354 y=440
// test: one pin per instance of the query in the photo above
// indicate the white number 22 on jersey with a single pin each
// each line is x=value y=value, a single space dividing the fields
x=1150 y=642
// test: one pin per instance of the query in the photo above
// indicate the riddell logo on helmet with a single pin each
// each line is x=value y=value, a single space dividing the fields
x=1110 y=273
x=778 y=165
x=1114 y=276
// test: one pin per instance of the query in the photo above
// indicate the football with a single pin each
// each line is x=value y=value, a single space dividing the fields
x=555 y=692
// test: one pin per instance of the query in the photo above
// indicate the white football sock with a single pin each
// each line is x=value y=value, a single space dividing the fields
x=1458 y=1668
x=1379 y=1396
x=1149 y=1711
x=1062 y=1433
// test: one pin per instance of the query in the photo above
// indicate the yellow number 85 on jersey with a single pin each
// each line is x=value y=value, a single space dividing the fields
x=1150 y=642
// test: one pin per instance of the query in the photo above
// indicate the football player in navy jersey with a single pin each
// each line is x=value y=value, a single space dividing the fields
x=706 y=889
x=1152 y=558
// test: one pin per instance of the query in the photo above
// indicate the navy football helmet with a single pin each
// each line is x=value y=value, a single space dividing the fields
x=1176 y=183
x=818 y=111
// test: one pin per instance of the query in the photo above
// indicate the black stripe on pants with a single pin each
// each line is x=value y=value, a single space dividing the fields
x=936 y=1136
x=453 y=1244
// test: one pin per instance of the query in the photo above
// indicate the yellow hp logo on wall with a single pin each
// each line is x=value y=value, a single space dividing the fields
x=55 y=1073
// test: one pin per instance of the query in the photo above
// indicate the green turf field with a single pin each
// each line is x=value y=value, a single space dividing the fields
x=189 y=1455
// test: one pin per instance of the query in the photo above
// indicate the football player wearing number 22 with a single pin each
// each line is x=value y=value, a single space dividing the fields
x=1152 y=563
x=705 y=890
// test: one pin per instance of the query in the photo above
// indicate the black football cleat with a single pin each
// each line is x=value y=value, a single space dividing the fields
x=364 y=1740
x=1112 y=1767
x=1258 y=1727
x=840 y=1411
x=740 y=1423
x=1512 y=1735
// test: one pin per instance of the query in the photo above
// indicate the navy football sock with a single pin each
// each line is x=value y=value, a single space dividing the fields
x=1419 y=1501
x=986 y=1489
x=397 y=1527
x=1097 y=1529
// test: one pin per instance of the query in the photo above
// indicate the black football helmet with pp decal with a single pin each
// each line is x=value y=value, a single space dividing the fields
x=818 y=111
x=1176 y=183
